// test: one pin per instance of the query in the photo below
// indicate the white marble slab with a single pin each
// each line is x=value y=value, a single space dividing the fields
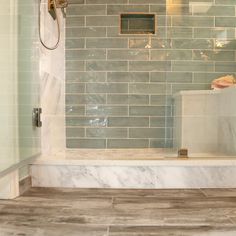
x=52 y=83
x=90 y=176
x=150 y=169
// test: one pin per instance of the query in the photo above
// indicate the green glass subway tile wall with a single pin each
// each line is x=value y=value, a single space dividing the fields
x=119 y=87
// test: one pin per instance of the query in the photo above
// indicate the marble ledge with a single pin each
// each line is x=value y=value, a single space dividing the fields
x=170 y=162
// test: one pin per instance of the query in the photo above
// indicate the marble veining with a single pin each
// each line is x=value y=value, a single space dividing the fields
x=52 y=84
x=121 y=176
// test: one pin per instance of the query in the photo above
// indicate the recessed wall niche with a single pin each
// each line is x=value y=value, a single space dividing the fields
x=137 y=23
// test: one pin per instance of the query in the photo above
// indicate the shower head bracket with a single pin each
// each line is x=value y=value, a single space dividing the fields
x=59 y=4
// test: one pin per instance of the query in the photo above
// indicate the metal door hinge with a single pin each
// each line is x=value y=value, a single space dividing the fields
x=36 y=117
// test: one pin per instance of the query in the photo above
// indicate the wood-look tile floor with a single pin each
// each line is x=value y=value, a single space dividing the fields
x=93 y=212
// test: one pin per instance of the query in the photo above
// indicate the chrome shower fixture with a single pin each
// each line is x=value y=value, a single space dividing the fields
x=59 y=4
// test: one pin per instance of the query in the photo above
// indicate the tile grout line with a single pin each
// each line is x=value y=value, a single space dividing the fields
x=108 y=230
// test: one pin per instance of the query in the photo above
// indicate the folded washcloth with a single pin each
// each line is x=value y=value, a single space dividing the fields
x=223 y=82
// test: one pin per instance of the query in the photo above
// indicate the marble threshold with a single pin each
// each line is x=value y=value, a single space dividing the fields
x=135 y=169
x=132 y=157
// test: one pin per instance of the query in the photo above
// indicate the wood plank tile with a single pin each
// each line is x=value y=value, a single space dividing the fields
x=172 y=231
x=127 y=212
x=227 y=192
x=76 y=193
x=52 y=230
x=177 y=203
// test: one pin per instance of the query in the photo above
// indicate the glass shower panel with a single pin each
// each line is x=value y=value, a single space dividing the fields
x=28 y=77
x=202 y=36
x=8 y=84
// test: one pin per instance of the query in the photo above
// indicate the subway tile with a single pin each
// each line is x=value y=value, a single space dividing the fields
x=216 y=55
x=158 y=77
x=219 y=33
x=102 y=21
x=188 y=2
x=75 y=65
x=147 y=110
x=117 y=9
x=135 y=99
x=117 y=99
x=193 y=43
x=147 y=133
x=86 y=143
x=223 y=44
x=211 y=10
x=75 y=88
x=161 y=121
x=106 y=43
x=87 y=121
x=158 y=100
x=85 y=99
x=85 y=32
x=128 y=121
x=141 y=88
x=177 y=10
x=161 y=143
x=171 y=54
x=171 y=77
x=225 y=21
x=144 y=43
x=205 y=77
x=225 y=2
x=75 y=21
x=147 y=1
x=114 y=31
x=107 y=88
x=106 y=110
x=74 y=110
x=181 y=87
x=75 y=132
x=179 y=32
x=192 y=66
x=128 y=54
x=193 y=21
x=149 y=65
x=106 y=1
x=128 y=77
x=227 y=67
x=107 y=132
x=127 y=143
x=158 y=9
x=76 y=10
x=89 y=76
x=107 y=66
x=76 y=1
x=75 y=43
x=86 y=54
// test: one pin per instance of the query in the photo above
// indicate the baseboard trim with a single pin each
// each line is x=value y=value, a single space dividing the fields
x=25 y=184
x=18 y=165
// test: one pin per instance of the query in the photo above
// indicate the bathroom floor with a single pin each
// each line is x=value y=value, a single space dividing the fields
x=103 y=212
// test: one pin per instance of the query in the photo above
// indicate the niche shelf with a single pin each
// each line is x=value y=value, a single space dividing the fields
x=137 y=23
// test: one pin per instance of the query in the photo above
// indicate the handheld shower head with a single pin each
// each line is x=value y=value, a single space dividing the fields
x=62 y=3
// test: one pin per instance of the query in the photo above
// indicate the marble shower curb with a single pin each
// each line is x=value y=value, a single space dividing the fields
x=157 y=174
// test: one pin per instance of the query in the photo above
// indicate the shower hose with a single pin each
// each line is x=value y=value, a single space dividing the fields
x=58 y=27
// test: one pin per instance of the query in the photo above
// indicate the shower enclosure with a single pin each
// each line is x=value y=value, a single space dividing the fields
x=19 y=91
